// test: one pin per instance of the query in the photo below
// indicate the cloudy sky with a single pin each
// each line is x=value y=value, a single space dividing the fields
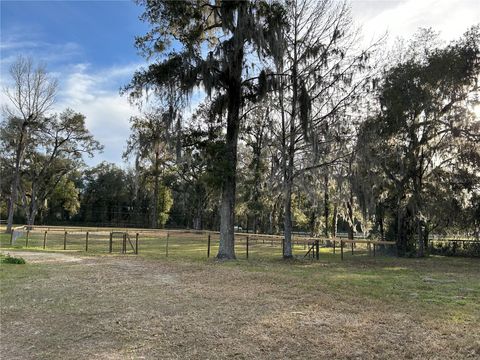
x=88 y=46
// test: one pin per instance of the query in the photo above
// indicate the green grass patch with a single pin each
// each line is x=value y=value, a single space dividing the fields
x=7 y=259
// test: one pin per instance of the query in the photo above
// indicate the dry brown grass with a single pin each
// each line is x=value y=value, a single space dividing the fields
x=62 y=306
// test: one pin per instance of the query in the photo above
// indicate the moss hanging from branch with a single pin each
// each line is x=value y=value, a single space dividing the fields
x=305 y=107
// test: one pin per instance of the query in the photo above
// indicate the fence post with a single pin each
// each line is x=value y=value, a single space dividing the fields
x=124 y=244
x=11 y=237
x=352 y=248
x=333 y=246
x=374 y=247
x=26 y=240
x=110 y=245
x=317 y=245
x=65 y=241
x=341 y=249
x=136 y=244
x=247 y=246
x=45 y=239
x=208 y=246
x=166 y=246
x=86 y=241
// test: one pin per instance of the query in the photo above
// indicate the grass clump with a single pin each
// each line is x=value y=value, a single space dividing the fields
x=11 y=260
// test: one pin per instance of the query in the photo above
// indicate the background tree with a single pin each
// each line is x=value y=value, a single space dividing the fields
x=106 y=197
x=425 y=134
x=256 y=137
x=55 y=152
x=321 y=74
x=148 y=144
x=31 y=94
x=64 y=202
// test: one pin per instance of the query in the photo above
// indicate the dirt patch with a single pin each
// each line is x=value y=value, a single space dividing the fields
x=132 y=308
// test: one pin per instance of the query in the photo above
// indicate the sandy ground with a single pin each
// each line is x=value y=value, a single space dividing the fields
x=74 y=307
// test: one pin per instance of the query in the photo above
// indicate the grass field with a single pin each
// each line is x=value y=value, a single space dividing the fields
x=71 y=304
x=191 y=245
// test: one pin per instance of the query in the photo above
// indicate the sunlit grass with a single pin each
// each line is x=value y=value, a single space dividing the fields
x=447 y=287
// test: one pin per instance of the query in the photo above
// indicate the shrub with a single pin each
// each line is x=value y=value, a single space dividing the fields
x=454 y=248
x=12 y=260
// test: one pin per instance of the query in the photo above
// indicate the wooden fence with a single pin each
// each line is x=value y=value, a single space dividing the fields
x=104 y=239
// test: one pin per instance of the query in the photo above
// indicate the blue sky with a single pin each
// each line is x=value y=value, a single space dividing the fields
x=99 y=32
x=88 y=46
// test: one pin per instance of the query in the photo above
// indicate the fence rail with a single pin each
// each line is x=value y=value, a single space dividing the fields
x=176 y=241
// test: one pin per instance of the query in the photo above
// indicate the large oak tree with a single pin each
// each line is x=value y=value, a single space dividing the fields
x=208 y=43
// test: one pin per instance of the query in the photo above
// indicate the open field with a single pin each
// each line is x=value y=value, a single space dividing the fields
x=68 y=305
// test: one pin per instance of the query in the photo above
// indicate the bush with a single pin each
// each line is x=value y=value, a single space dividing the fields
x=454 y=248
x=12 y=260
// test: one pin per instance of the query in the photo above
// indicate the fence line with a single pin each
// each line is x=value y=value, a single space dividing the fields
x=71 y=234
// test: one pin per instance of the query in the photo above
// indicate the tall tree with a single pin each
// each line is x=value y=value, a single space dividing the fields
x=321 y=75
x=55 y=152
x=200 y=171
x=180 y=35
x=425 y=130
x=149 y=144
x=31 y=94
x=256 y=138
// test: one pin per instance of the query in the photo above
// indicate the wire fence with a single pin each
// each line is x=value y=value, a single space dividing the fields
x=183 y=243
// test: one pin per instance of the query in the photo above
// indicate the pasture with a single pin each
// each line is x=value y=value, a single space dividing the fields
x=71 y=304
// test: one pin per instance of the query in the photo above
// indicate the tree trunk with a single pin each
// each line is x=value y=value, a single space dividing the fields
x=13 y=198
x=326 y=204
x=156 y=188
x=382 y=229
x=32 y=215
x=350 y=215
x=226 y=248
x=178 y=143
x=401 y=243
x=16 y=177
x=313 y=216
x=273 y=218
x=335 y=221
x=421 y=244
x=227 y=206
x=288 y=171
x=287 y=220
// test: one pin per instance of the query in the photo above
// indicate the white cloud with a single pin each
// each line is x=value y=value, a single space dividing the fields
x=43 y=52
x=95 y=94
x=403 y=18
